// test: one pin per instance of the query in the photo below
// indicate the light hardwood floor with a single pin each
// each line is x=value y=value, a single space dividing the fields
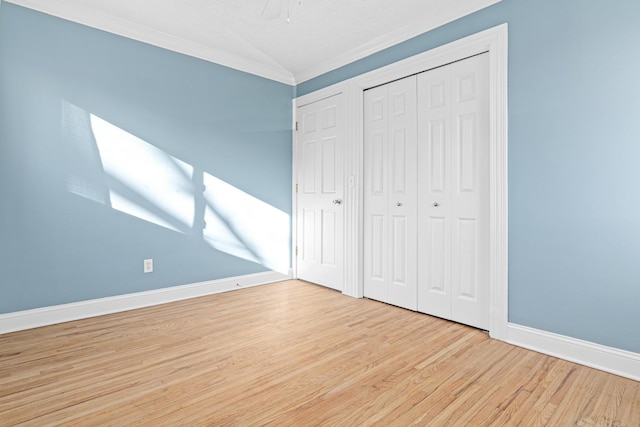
x=293 y=354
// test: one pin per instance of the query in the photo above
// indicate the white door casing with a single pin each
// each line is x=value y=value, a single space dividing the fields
x=390 y=208
x=453 y=187
x=320 y=192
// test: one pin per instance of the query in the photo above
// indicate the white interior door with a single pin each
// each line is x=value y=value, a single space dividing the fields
x=320 y=189
x=453 y=187
x=390 y=208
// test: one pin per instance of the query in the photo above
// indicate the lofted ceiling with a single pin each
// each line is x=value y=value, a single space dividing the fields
x=290 y=41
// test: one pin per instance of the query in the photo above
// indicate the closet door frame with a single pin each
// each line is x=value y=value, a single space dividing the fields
x=493 y=41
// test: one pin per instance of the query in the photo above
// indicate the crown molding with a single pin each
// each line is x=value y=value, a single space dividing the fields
x=89 y=17
x=267 y=69
x=454 y=10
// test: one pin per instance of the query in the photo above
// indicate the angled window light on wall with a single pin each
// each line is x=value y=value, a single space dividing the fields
x=112 y=167
x=242 y=225
x=143 y=180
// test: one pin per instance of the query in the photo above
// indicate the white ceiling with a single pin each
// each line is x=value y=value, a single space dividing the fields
x=321 y=35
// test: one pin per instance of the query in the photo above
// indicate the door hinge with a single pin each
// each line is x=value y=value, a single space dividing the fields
x=296 y=251
x=296 y=188
x=296 y=125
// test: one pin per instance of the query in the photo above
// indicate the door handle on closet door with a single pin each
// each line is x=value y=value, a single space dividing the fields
x=337 y=201
x=398 y=204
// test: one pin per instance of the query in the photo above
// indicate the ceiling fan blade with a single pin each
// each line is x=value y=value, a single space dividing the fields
x=272 y=9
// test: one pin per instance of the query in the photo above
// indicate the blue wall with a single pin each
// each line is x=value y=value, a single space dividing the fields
x=61 y=239
x=574 y=160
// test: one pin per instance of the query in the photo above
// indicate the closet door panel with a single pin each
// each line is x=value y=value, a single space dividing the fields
x=403 y=193
x=470 y=112
x=375 y=194
x=434 y=192
x=390 y=193
x=403 y=146
x=453 y=183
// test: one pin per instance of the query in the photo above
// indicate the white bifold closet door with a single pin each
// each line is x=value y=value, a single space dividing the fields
x=453 y=192
x=390 y=203
x=426 y=203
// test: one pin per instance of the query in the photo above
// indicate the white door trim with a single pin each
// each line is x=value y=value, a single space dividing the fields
x=493 y=41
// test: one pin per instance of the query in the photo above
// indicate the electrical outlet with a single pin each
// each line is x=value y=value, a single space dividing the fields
x=148 y=266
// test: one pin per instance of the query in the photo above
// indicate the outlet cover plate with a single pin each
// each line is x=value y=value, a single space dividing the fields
x=148 y=266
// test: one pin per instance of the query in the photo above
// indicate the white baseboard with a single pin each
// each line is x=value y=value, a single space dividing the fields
x=608 y=359
x=27 y=319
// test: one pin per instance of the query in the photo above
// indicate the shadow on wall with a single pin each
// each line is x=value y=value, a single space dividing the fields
x=117 y=169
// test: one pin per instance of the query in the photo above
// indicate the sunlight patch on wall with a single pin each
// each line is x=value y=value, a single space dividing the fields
x=85 y=175
x=144 y=181
x=112 y=167
x=242 y=225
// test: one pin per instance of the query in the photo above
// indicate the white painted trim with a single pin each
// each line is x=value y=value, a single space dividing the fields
x=354 y=224
x=320 y=94
x=92 y=18
x=608 y=359
x=423 y=24
x=38 y=317
x=294 y=182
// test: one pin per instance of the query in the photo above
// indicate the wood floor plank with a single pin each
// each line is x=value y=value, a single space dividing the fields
x=293 y=353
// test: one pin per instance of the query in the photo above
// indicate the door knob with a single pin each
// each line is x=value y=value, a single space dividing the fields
x=436 y=204
x=398 y=204
x=337 y=201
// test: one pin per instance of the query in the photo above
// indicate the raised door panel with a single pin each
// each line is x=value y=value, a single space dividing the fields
x=308 y=173
x=331 y=162
x=308 y=239
x=328 y=232
x=377 y=246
